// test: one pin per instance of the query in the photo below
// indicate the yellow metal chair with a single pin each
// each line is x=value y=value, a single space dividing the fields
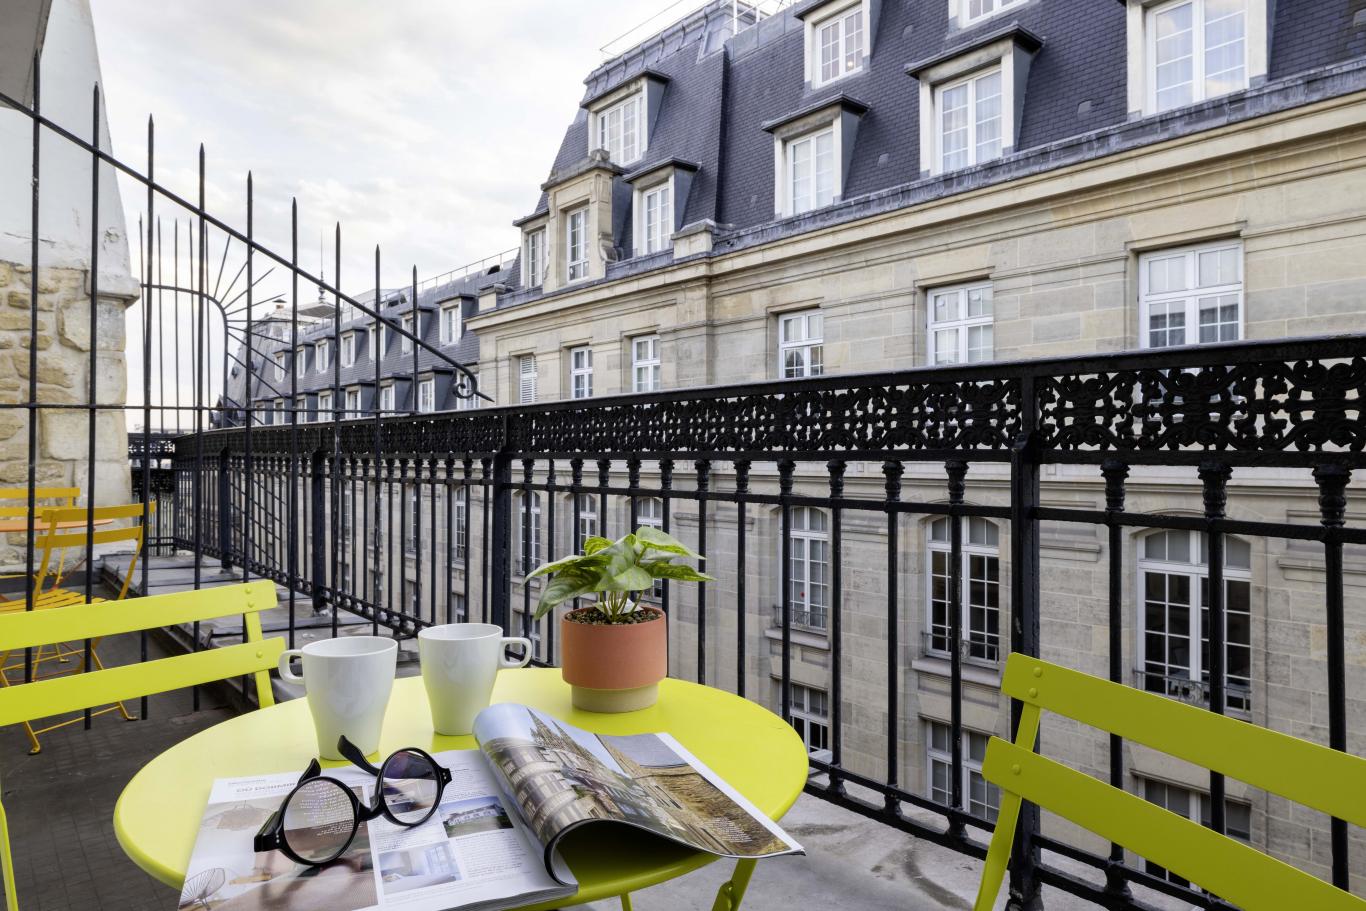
x=1304 y=772
x=72 y=693
x=14 y=505
x=49 y=593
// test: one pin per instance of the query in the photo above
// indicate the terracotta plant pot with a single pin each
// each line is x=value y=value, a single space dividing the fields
x=614 y=667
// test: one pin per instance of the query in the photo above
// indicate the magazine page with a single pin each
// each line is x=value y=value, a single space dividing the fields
x=563 y=777
x=472 y=853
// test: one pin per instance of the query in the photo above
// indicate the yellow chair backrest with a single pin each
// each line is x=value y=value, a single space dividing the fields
x=55 y=539
x=66 y=496
x=1304 y=772
x=74 y=692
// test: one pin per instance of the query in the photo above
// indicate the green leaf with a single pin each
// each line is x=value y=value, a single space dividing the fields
x=568 y=584
x=632 y=579
x=574 y=560
x=593 y=544
x=679 y=572
x=655 y=539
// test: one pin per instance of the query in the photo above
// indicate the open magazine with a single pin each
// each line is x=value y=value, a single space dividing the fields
x=493 y=842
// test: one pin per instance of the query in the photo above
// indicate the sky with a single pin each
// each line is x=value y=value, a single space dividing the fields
x=422 y=126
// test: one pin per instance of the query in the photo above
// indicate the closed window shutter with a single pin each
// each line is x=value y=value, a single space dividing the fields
x=528 y=379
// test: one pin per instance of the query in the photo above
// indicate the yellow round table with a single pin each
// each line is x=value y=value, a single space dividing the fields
x=158 y=814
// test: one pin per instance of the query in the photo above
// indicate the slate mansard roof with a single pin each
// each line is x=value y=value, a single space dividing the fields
x=721 y=91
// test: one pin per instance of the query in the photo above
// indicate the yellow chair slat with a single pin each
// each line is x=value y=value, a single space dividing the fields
x=1230 y=869
x=1307 y=773
x=58 y=695
x=19 y=511
x=93 y=621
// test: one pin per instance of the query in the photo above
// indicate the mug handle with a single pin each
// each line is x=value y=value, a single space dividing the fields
x=286 y=657
x=503 y=659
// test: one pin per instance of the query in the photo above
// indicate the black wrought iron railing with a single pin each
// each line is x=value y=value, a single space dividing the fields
x=511 y=485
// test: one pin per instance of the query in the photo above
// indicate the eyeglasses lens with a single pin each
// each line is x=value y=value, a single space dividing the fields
x=409 y=782
x=319 y=820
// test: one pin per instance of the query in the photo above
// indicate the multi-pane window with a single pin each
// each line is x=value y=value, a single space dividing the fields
x=405 y=344
x=810 y=568
x=1197 y=49
x=588 y=519
x=352 y=403
x=801 y=351
x=426 y=396
x=459 y=613
x=348 y=350
x=322 y=356
x=650 y=513
x=969 y=114
x=386 y=398
x=576 y=244
x=1191 y=295
x=301 y=409
x=1195 y=806
x=325 y=406
x=657 y=217
x=581 y=372
x=811 y=171
x=279 y=411
x=374 y=339
x=526 y=379
x=460 y=517
x=467 y=402
x=972 y=10
x=621 y=129
x=811 y=716
x=300 y=359
x=528 y=533
x=534 y=259
x=981 y=798
x=450 y=325
x=280 y=365
x=979 y=610
x=645 y=363
x=960 y=325
x=1173 y=583
x=839 y=45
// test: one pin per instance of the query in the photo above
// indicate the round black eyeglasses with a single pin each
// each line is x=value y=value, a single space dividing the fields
x=319 y=818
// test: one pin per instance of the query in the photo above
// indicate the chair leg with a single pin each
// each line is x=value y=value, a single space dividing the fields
x=729 y=896
x=7 y=862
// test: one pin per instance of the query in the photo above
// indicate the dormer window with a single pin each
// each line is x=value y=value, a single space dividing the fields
x=322 y=356
x=837 y=44
x=621 y=129
x=968 y=121
x=973 y=11
x=811 y=171
x=348 y=349
x=656 y=218
x=406 y=344
x=576 y=244
x=811 y=154
x=1188 y=51
x=533 y=259
x=450 y=324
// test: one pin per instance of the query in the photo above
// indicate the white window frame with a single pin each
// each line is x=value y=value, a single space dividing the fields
x=1199 y=89
x=460 y=540
x=980 y=583
x=325 y=412
x=962 y=325
x=588 y=519
x=534 y=259
x=526 y=379
x=1157 y=676
x=372 y=331
x=654 y=234
x=576 y=255
x=985 y=10
x=600 y=136
x=810 y=716
x=347 y=353
x=452 y=326
x=1190 y=299
x=300 y=360
x=802 y=335
x=650 y=514
x=581 y=372
x=279 y=411
x=645 y=364
x=405 y=344
x=971 y=81
x=525 y=563
x=839 y=18
x=787 y=152
x=467 y=402
x=301 y=409
x=426 y=396
x=388 y=395
x=987 y=804
x=352 y=401
x=810 y=550
x=322 y=355
x=280 y=372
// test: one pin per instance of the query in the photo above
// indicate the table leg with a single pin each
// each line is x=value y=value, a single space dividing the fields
x=626 y=902
x=730 y=894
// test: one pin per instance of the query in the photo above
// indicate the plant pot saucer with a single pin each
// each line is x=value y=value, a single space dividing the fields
x=588 y=699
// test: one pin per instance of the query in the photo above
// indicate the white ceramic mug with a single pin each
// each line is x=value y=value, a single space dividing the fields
x=459 y=664
x=348 y=680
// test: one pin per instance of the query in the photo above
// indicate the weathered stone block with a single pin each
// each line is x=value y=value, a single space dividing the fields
x=73 y=325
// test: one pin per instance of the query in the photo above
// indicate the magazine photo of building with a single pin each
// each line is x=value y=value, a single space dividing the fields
x=417 y=867
x=475 y=816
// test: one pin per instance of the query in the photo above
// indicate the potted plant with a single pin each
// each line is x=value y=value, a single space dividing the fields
x=615 y=650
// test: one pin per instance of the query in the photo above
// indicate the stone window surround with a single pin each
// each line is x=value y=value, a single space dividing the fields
x=572 y=371
x=650 y=85
x=529 y=229
x=348 y=344
x=818 y=15
x=674 y=171
x=959 y=18
x=1257 y=35
x=1214 y=232
x=840 y=113
x=1011 y=48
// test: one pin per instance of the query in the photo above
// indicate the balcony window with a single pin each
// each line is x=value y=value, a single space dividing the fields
x=405 y=345
x=386 y=399
x=809 y=594
x=352 y=403
x=588 y=520
x=450 y=325
x=621 y=129
x=1174 y=651
x=981 y=798
x=650 y=513
x=581 y=372
x=979 y=586
x=1197 y=49
x=426 y=396
x=533 y=259
x=526 y=379
x=348 y=350
x=528 y=533
x=811 y=171
x=811 y=716
x=656 y=218
x=837 y=44
x=801 y=350
x=322 y=356
x=645 y=363
x=973 y=11
x=325 y=407
x=1191 y=294
x=960 y=325
x=968 y=117
x=576 y=244
x=1195 y=806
